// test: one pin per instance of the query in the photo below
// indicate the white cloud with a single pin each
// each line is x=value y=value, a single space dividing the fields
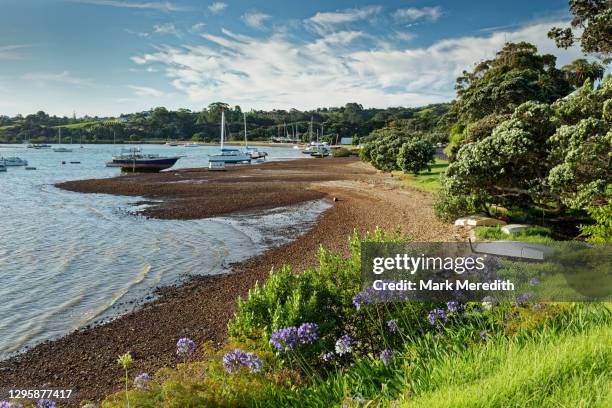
x=166 y=28
x=43 y=78
x=198 y=27
x=217 y=7
x=255 y=19
x=413 y=14
x=404 y=36
x=326 y=21
x=146 y=92
x=281 y=72
x=150 y=5
x=9 y=51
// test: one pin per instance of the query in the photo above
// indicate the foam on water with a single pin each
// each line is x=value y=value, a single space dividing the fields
x=68 y=259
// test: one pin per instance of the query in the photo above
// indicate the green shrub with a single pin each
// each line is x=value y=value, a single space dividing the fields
x=601 y=231
x=341 y=152
x=416 y=155
x=449 y=207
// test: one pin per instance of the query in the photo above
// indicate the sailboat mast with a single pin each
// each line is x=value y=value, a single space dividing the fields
x=222 y=128
x=59 y=135
x=310 y=130
x=245 y=130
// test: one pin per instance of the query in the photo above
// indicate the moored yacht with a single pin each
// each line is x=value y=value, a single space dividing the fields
x=133 y=160
x=229 y=154
x=13 y=161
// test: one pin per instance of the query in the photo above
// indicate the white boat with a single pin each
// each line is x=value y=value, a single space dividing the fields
x=172 y=143
x=13 y=161
x=251 y=150
x=61 y=149
x=191 y=145
x=229 y=154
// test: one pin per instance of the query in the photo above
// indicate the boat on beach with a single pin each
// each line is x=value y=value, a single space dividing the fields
x=133 y=160
x=13 y=161
x=229 y=154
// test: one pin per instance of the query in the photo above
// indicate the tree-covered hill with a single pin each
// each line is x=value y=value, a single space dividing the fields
x=351 y=120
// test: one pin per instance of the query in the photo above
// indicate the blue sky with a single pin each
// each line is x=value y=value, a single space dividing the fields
x=104 y=57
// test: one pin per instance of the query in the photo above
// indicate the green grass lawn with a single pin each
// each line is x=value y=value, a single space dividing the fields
x=552 y=371
x=428 y=181
x=532 y=234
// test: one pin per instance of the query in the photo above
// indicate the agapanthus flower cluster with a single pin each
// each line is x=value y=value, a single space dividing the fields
x=142 y=381
x=523 y=299
x=344 y=345
x=6 y=404
x=370 y=296
x=45 y=403
x=452 y=306
x=236 y=359
x=387 y=356
x=284 y=339
x=254 y=363
x=392 y=325
x=185 y=347
x=437 y=317
x=327 y=357
x=535 y=281
x=308 y=333
x=484 y=334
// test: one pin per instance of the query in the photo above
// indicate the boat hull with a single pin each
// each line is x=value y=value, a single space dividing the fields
x=143 y=165
x=230 y=159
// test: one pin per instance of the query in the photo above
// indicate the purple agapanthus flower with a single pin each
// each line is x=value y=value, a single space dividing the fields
x=392 y=325
x=327 y=357
x=387 y=356
x=45 y=403
x=452 y=306
x=284 y=339
x=308 y=333
x=234 y=360
x=142 y=381
x=253 y=362
x=344 y=345
x=523 y=299
x=484 y=334
x=6 y=404
x=535 y=281
x=437 y=317
x=185 y=347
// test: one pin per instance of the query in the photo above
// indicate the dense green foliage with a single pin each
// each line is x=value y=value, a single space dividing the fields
x=553 y=156
x=516 y=75
x=593 y=20
x=416 y=155
x=329 y=124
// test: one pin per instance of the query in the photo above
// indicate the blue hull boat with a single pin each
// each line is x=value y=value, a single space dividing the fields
x=136 y=162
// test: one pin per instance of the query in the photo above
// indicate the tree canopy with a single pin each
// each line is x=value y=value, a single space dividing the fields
x=593 y=20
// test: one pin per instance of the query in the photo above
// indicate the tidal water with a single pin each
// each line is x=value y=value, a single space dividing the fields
x=69 y=259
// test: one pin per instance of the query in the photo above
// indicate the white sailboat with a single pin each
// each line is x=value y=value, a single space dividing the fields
x=228 y=154
x=251 y=150
x=61 y=149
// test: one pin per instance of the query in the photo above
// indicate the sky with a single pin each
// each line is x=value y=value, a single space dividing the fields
x=106 y=57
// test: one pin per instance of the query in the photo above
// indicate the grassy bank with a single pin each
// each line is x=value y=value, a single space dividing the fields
x=428 y=181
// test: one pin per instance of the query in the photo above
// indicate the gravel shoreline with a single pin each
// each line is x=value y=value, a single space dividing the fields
x=362 y=198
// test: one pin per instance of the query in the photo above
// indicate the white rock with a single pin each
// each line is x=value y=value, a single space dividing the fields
x=514 y=228
x=478 y=221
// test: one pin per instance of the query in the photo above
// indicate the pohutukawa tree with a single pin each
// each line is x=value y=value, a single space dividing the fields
x=593 y=20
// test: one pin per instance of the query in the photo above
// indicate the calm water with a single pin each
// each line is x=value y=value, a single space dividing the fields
x=68 y=259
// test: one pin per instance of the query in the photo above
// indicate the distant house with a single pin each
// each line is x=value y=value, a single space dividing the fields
x=346 y=141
